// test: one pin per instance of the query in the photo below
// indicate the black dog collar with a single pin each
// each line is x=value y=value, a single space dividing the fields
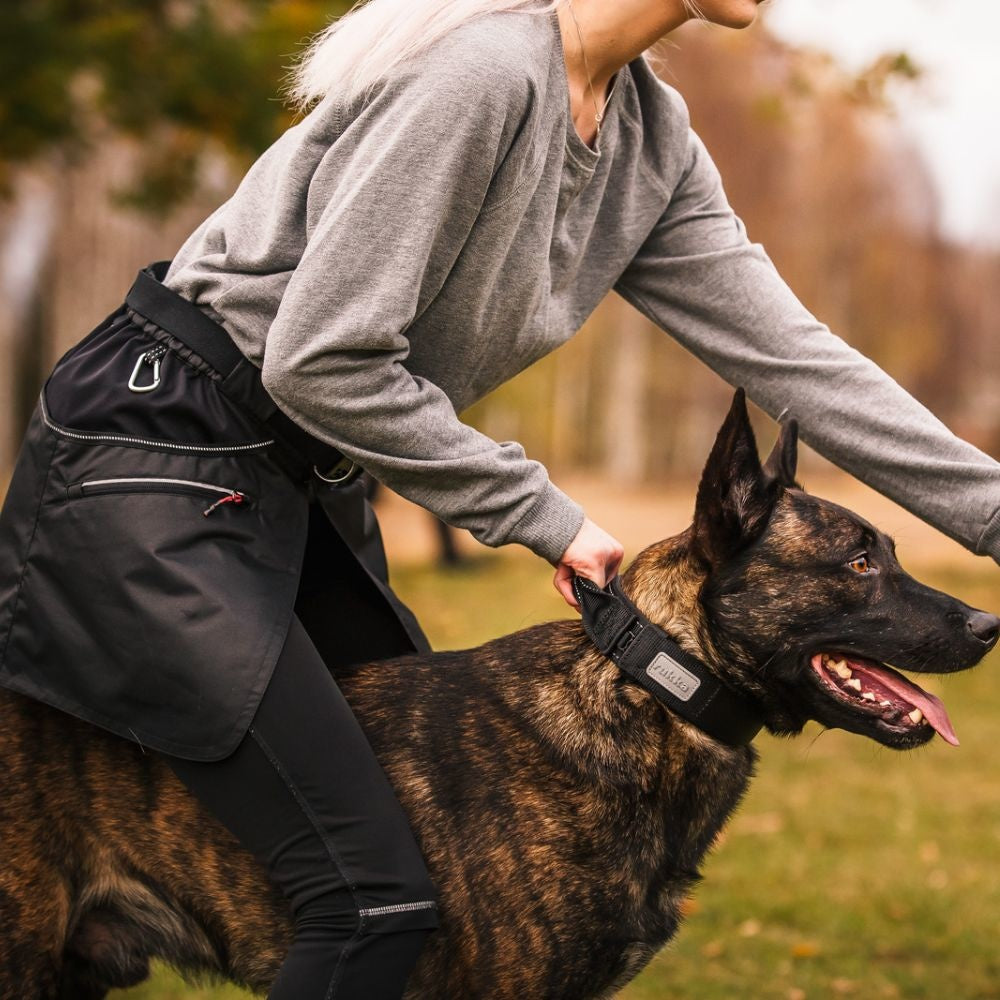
x=652 y=659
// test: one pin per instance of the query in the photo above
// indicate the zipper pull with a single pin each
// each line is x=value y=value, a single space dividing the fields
x=234 y=497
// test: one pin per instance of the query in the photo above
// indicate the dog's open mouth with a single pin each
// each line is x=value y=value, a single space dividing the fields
x=882 y=693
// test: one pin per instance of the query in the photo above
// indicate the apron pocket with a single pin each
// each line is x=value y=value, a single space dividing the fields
x=121 y=382
x=157 y=589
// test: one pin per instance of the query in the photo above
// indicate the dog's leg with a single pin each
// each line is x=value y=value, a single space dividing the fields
x=106 y=951
x=80 y=980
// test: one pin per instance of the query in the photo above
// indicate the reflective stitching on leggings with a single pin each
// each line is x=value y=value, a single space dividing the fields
x=381 y=911
x=331 y=850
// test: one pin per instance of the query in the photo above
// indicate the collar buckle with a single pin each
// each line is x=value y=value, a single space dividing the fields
x=626 y=637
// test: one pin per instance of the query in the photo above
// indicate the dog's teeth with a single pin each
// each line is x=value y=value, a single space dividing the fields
x=885 y=704
x=868 y=696
x=841 y=669
x=916 y=715
x=854 y=682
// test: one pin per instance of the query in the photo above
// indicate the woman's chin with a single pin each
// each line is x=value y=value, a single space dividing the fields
x=740 y=14
x=742 y=22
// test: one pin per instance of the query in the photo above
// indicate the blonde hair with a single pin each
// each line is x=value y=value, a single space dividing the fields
x=358 y=49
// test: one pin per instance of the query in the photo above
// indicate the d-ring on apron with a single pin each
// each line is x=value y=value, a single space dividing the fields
x=163 y=522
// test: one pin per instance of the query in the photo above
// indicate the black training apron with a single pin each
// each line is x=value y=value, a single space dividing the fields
x=153 y=537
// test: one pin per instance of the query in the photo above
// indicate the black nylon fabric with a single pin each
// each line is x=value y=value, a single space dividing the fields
x=88 y=391
x=122 y=601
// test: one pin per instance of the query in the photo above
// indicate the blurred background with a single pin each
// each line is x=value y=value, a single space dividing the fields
x=859 y=143
x=123 y=124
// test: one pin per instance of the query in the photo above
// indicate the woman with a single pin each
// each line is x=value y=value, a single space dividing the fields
x=474 y=177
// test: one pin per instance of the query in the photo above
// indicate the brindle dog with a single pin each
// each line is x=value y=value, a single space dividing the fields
x=563 y=810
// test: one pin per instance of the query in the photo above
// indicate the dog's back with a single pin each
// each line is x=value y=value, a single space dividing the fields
x=510 y=762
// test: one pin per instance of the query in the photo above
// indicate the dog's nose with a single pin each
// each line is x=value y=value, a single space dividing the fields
x=984 y=627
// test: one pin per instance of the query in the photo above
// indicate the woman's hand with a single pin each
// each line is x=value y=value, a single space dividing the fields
x=593 y=554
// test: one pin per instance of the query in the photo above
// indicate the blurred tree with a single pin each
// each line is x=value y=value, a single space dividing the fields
x=171 y=72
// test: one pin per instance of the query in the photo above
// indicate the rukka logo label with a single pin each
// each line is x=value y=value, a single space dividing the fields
x=669 y=674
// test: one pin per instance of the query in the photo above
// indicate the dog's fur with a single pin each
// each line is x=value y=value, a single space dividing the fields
x=562 y=810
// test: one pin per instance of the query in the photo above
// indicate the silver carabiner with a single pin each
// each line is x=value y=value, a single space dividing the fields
x=153 y=358
x=343 y=472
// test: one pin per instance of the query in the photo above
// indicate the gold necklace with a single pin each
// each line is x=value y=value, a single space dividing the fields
x=598 y=114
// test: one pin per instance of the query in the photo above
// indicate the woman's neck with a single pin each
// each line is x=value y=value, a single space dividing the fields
x=613 y=35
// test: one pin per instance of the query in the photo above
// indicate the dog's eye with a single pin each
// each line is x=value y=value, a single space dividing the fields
x=860 y=564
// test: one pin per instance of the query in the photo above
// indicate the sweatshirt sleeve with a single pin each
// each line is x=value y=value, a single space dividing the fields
x=390 y=207
x=699 y=277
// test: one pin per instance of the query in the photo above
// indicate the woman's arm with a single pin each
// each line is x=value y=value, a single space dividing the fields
x=390 y=208
x=699 y=277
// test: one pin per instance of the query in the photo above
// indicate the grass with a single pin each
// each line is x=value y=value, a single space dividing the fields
x=849 y=870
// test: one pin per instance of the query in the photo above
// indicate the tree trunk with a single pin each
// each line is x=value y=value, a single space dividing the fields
x=27 y=232
x=625 y=417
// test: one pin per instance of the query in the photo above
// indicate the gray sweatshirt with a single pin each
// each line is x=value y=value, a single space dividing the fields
x=389 y=261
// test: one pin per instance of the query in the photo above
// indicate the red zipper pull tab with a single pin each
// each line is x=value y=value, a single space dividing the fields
x=234 y=497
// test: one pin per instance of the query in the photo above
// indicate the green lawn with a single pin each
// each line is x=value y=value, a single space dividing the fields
x=849 y=870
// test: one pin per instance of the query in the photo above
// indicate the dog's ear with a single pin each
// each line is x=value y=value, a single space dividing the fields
x=735 y=497
x=781 y=463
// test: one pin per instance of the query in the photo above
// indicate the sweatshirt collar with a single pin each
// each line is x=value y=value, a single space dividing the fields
x=582 y=154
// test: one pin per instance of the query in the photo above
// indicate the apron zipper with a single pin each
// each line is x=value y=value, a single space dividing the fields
x=129 y=440
x=159 y=484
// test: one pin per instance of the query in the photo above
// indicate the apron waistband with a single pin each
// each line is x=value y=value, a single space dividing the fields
x=240 y=378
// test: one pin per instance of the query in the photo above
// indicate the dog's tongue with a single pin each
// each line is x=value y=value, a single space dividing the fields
x=933 y=708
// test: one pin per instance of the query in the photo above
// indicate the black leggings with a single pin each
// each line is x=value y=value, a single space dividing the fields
x=305 y=794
